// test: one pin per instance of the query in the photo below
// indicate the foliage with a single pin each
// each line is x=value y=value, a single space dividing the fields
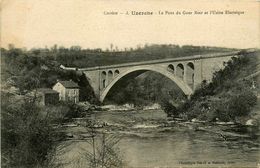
x=57 y=113
x=241 y=104
x=27 y=136
x=28 y=70
x=169 y=108
x=73 y=110
x=104 y=152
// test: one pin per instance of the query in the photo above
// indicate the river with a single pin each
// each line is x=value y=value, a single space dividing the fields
x=149 y=139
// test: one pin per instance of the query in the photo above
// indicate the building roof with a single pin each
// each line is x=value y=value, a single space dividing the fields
x=69 y=84
x=46 y=90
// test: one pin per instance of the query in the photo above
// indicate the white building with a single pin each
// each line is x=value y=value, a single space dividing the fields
x=68 y=90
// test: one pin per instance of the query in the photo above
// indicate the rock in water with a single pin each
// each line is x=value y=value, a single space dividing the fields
x=70 y=135
x=250 y=122
x=194 y=120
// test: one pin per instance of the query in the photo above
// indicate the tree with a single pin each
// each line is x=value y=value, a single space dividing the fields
x=241 y=104
x=169 y=109
x=26 y=136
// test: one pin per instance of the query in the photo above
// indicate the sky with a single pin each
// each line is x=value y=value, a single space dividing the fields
x=40 y=23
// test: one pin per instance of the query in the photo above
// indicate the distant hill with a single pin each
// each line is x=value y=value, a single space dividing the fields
x=147 y=53
x=83 y=58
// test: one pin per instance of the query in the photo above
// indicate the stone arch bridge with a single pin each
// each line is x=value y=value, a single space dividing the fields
x=187 y=72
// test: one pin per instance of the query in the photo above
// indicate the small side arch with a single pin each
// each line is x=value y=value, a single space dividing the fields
x=190 y=74
x=109 y=76
x=171 y=68
x=103 y=79
x=180 y=71
x=116 y=72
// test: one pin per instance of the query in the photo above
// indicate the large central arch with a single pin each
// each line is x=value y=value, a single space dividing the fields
x=180 y=83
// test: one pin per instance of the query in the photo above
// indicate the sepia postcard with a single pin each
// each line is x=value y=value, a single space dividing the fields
x=130 y=83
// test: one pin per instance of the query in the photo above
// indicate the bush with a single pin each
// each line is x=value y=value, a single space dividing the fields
x=104 y=152
x=26 y=136
x=56 y=114
x=73 y=110
x=169 y=109
x=222 y=115
x=241 y=104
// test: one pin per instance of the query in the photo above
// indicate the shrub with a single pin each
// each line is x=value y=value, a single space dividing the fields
x=26 y=136
x=104 y=152
x=241 y=104
x=56 y=114
x=169 y=109
x=74 y=110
